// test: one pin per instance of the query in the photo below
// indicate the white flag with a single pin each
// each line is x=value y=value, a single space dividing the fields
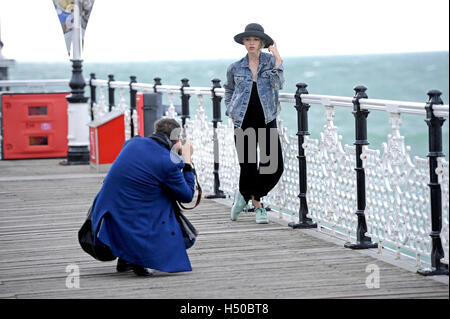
x=64 y=9
x=85 y=11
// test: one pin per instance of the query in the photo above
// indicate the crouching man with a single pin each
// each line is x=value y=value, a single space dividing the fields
x=133 y=213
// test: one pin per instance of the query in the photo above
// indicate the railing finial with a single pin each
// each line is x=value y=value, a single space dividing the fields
x=301 y=88
x=435 y=94
x=360 y=91
x=157 y=81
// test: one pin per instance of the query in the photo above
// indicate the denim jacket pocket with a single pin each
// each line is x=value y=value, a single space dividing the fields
x=238 y=79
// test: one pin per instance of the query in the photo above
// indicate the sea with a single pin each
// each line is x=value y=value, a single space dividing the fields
x=399 y=76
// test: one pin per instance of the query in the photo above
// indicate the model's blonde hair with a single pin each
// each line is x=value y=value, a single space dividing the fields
x=263 y=44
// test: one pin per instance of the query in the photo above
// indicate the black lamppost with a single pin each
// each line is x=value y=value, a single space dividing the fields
x=78 y=108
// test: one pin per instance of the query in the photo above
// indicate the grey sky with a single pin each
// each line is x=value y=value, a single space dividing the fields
x=140 y=30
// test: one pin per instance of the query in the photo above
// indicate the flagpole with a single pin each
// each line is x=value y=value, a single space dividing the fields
x=78 y=109
x=76 y=30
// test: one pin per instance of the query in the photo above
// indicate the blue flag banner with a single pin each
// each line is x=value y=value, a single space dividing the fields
x=64 y=9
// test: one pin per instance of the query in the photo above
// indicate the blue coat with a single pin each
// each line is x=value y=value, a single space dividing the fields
x=138 y=216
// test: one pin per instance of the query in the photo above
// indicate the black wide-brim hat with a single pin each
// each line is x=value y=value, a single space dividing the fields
x=254 y=30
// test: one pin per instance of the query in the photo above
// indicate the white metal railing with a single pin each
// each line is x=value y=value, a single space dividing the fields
x=397 y=192
x=30 y=83
x=398 y=205
x=399 y=224
x=369 y=104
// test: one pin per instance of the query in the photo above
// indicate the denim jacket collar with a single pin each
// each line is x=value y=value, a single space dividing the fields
x=263 y=59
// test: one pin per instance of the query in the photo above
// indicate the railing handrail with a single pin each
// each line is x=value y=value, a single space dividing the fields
x=50 y=82
x=101 y=83
x=391 y=106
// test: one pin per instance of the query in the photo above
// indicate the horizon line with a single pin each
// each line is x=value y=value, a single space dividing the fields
x=232 y=58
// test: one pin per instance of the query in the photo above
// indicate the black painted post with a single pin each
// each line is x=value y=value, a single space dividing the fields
x=302 y=125
x=362 y=241
x=435 y=150
x=152 y=111
x=216 y=118
x=157 y=82
x=132 y=103
x=93 y=95
x=184 y=102
x=110 y=92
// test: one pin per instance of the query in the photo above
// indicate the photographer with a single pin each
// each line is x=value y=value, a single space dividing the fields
x=133 y=213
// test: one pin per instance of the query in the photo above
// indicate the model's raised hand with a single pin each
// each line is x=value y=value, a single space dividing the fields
x=274 y=50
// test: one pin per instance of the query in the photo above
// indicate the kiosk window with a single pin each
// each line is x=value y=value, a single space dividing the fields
x=37 y=110
x=38 y=140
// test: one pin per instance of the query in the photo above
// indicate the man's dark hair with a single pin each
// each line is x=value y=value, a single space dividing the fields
x=169 y=127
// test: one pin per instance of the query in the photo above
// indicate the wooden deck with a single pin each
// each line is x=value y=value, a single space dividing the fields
x=43 y=204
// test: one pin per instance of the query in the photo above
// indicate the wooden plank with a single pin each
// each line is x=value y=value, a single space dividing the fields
x=40 y=218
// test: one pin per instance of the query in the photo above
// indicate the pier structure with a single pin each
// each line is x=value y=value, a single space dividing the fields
x=383 y=201
x=354 y=196
x=380 y=199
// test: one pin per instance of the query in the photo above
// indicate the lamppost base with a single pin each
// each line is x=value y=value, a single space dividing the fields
x=218 y=194
x=442 y=270
x=361 y=245
x=303 y=225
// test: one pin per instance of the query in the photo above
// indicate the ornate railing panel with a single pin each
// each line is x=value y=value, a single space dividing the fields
x=398 y=212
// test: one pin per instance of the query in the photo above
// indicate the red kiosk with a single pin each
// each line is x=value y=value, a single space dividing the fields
x=106 y=137
x=34 y=125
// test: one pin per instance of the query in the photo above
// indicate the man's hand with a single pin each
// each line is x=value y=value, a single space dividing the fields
x=186 y=151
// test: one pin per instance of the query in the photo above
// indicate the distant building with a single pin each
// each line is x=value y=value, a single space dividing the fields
x=4 y=65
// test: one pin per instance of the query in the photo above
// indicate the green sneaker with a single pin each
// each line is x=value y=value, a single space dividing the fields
x=261 y=216
x=238 y=206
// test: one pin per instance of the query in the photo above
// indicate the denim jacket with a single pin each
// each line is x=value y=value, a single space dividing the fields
x=238 y=87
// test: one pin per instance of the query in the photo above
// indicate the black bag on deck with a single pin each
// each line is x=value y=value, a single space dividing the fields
x=86 y=240
x=187 y=229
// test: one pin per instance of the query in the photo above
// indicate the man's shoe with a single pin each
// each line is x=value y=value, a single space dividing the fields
x=142 y=271
x=122 y=265
x=261 y=216
x=238 y=206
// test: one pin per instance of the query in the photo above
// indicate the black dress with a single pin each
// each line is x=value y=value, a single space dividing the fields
x=258 y=180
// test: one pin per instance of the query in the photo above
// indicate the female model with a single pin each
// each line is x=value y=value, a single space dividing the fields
x=251 y=97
